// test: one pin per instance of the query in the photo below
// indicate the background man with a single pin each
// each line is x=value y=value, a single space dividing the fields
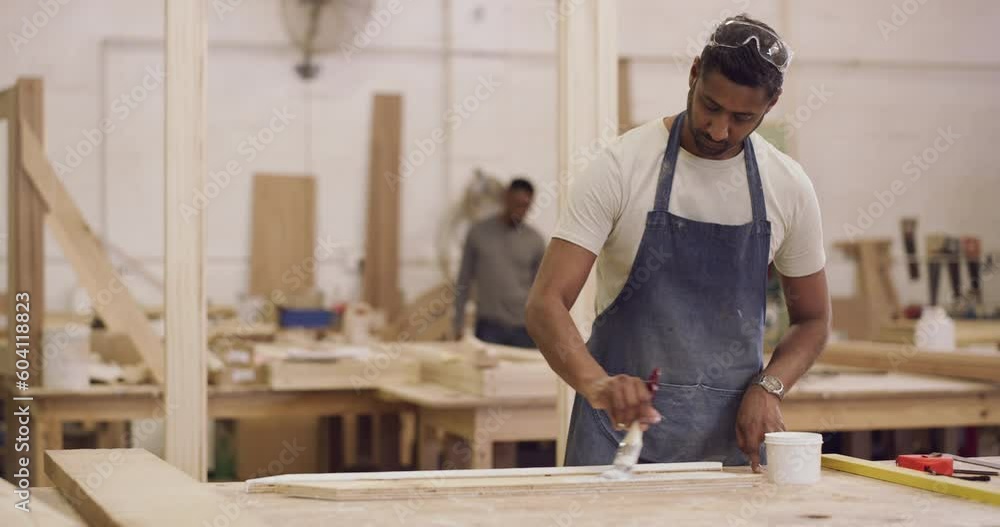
x=501 y=257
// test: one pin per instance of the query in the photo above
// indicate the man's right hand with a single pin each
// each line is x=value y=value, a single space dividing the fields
x=625 y=399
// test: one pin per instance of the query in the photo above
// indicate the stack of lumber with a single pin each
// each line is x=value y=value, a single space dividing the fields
x=975 y=365
x=967 y=332
x=485 y=370
x=327 y=366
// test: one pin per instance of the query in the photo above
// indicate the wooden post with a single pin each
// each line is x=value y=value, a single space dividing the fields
x=184 y=295
x=22 y=106
x=588 y=107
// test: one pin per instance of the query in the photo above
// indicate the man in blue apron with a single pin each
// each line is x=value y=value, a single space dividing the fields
x=683 y=216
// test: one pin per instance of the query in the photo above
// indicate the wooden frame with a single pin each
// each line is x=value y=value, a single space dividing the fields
x=38 y=195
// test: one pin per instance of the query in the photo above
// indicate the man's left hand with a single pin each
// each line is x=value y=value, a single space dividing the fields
x=759 y=414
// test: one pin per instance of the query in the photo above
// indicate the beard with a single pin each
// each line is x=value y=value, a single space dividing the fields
x=703 y=141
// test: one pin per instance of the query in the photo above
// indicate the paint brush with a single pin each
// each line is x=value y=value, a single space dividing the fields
x=631 y=445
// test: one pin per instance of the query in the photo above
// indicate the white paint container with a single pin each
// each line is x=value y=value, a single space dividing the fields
x=66 y=360
x=793 y=458
x=935 y=330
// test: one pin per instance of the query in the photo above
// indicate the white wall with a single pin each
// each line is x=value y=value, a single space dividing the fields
x=888 y=98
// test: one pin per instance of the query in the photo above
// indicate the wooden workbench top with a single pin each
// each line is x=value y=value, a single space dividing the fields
x=838 y=499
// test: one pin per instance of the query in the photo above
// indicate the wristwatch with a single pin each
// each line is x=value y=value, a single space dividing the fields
x=771 y=384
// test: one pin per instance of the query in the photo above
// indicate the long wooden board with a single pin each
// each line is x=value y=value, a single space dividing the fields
x=38 y=513
x=120 y=312
x=284 y=234
x=978 y=491
x=133 y=488
x=381 y=269
x=269 y=484
x=983 y=366
x=490 y=485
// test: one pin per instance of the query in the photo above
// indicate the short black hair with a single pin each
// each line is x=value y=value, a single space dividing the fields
x=521 y=184
x=743 y=65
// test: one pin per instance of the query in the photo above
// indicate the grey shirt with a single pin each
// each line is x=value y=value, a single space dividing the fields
x=501 y=260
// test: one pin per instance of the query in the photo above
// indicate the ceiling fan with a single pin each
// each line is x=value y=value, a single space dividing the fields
x=318 y=26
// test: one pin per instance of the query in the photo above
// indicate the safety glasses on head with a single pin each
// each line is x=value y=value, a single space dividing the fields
x=735 y=33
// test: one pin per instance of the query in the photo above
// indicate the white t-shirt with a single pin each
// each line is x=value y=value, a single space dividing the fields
x=609 y=200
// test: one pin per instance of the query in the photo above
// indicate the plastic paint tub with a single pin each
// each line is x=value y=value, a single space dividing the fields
x=793 y=458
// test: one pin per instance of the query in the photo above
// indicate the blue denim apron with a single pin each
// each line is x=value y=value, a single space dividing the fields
x=693 y=305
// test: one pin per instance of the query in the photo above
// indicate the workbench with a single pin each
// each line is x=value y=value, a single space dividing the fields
x=480 y=421
x=52 y=408
x=823 y=401
x=826 y=400
x=838 y=499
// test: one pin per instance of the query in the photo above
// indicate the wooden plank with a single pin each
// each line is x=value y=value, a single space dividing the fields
x=340 y=374
x=420 y=320
x=624 y=95
x=20 y=508
x=112 y=300
x=283 y=239
x=381 y=267
x=983 y=366
x=971 y=490
x=436 y=396
x=133 y=488
x=269 y=484
x=517 y=486
x=185 y=128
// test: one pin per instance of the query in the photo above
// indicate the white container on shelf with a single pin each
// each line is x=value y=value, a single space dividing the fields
x=793 y=458
x=66 y=357
x=935 y=330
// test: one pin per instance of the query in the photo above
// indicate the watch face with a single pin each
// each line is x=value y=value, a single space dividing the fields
x=772 y=384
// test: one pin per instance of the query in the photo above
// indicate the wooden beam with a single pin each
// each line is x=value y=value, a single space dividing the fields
x=131 y=487
x=20 y=509
x=624 y=95
x=381 y=268
x=184 y=296
x=588 y=107
x=25 y=236
x=114 y=303
x=984 y=366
